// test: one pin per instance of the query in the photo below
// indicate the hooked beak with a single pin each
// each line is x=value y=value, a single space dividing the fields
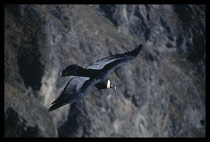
x=113 y=86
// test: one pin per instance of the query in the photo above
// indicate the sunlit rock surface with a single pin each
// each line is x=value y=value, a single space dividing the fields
x=159 y=94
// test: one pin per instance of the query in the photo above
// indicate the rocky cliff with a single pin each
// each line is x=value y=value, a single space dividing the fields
x=159 y=94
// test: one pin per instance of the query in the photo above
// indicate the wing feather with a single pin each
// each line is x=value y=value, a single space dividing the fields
x=75 y=89
x=110 y=63
x=125 y=57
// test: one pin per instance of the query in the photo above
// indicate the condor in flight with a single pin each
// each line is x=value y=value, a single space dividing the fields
x=93 y=75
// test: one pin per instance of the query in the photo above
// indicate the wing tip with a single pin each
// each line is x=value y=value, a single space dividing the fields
x=136 y=51
x=50 y=109
x=53 y=107
x=139 y=47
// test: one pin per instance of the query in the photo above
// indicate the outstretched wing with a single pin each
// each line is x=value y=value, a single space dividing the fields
x=75 y=89
x=112 y=62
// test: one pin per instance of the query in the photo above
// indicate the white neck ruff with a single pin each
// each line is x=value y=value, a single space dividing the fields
x=108 y=84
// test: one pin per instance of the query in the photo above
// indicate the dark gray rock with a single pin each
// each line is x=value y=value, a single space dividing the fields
x=15 y=126
x=159 y=94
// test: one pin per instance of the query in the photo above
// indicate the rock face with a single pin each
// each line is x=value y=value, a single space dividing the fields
x=159 y=94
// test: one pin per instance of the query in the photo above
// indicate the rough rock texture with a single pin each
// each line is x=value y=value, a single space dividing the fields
x=159 y=94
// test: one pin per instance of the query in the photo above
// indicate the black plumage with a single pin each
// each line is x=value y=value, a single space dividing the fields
x=93 y=75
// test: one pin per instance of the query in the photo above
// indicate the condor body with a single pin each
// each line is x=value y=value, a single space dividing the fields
x=93 y=75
